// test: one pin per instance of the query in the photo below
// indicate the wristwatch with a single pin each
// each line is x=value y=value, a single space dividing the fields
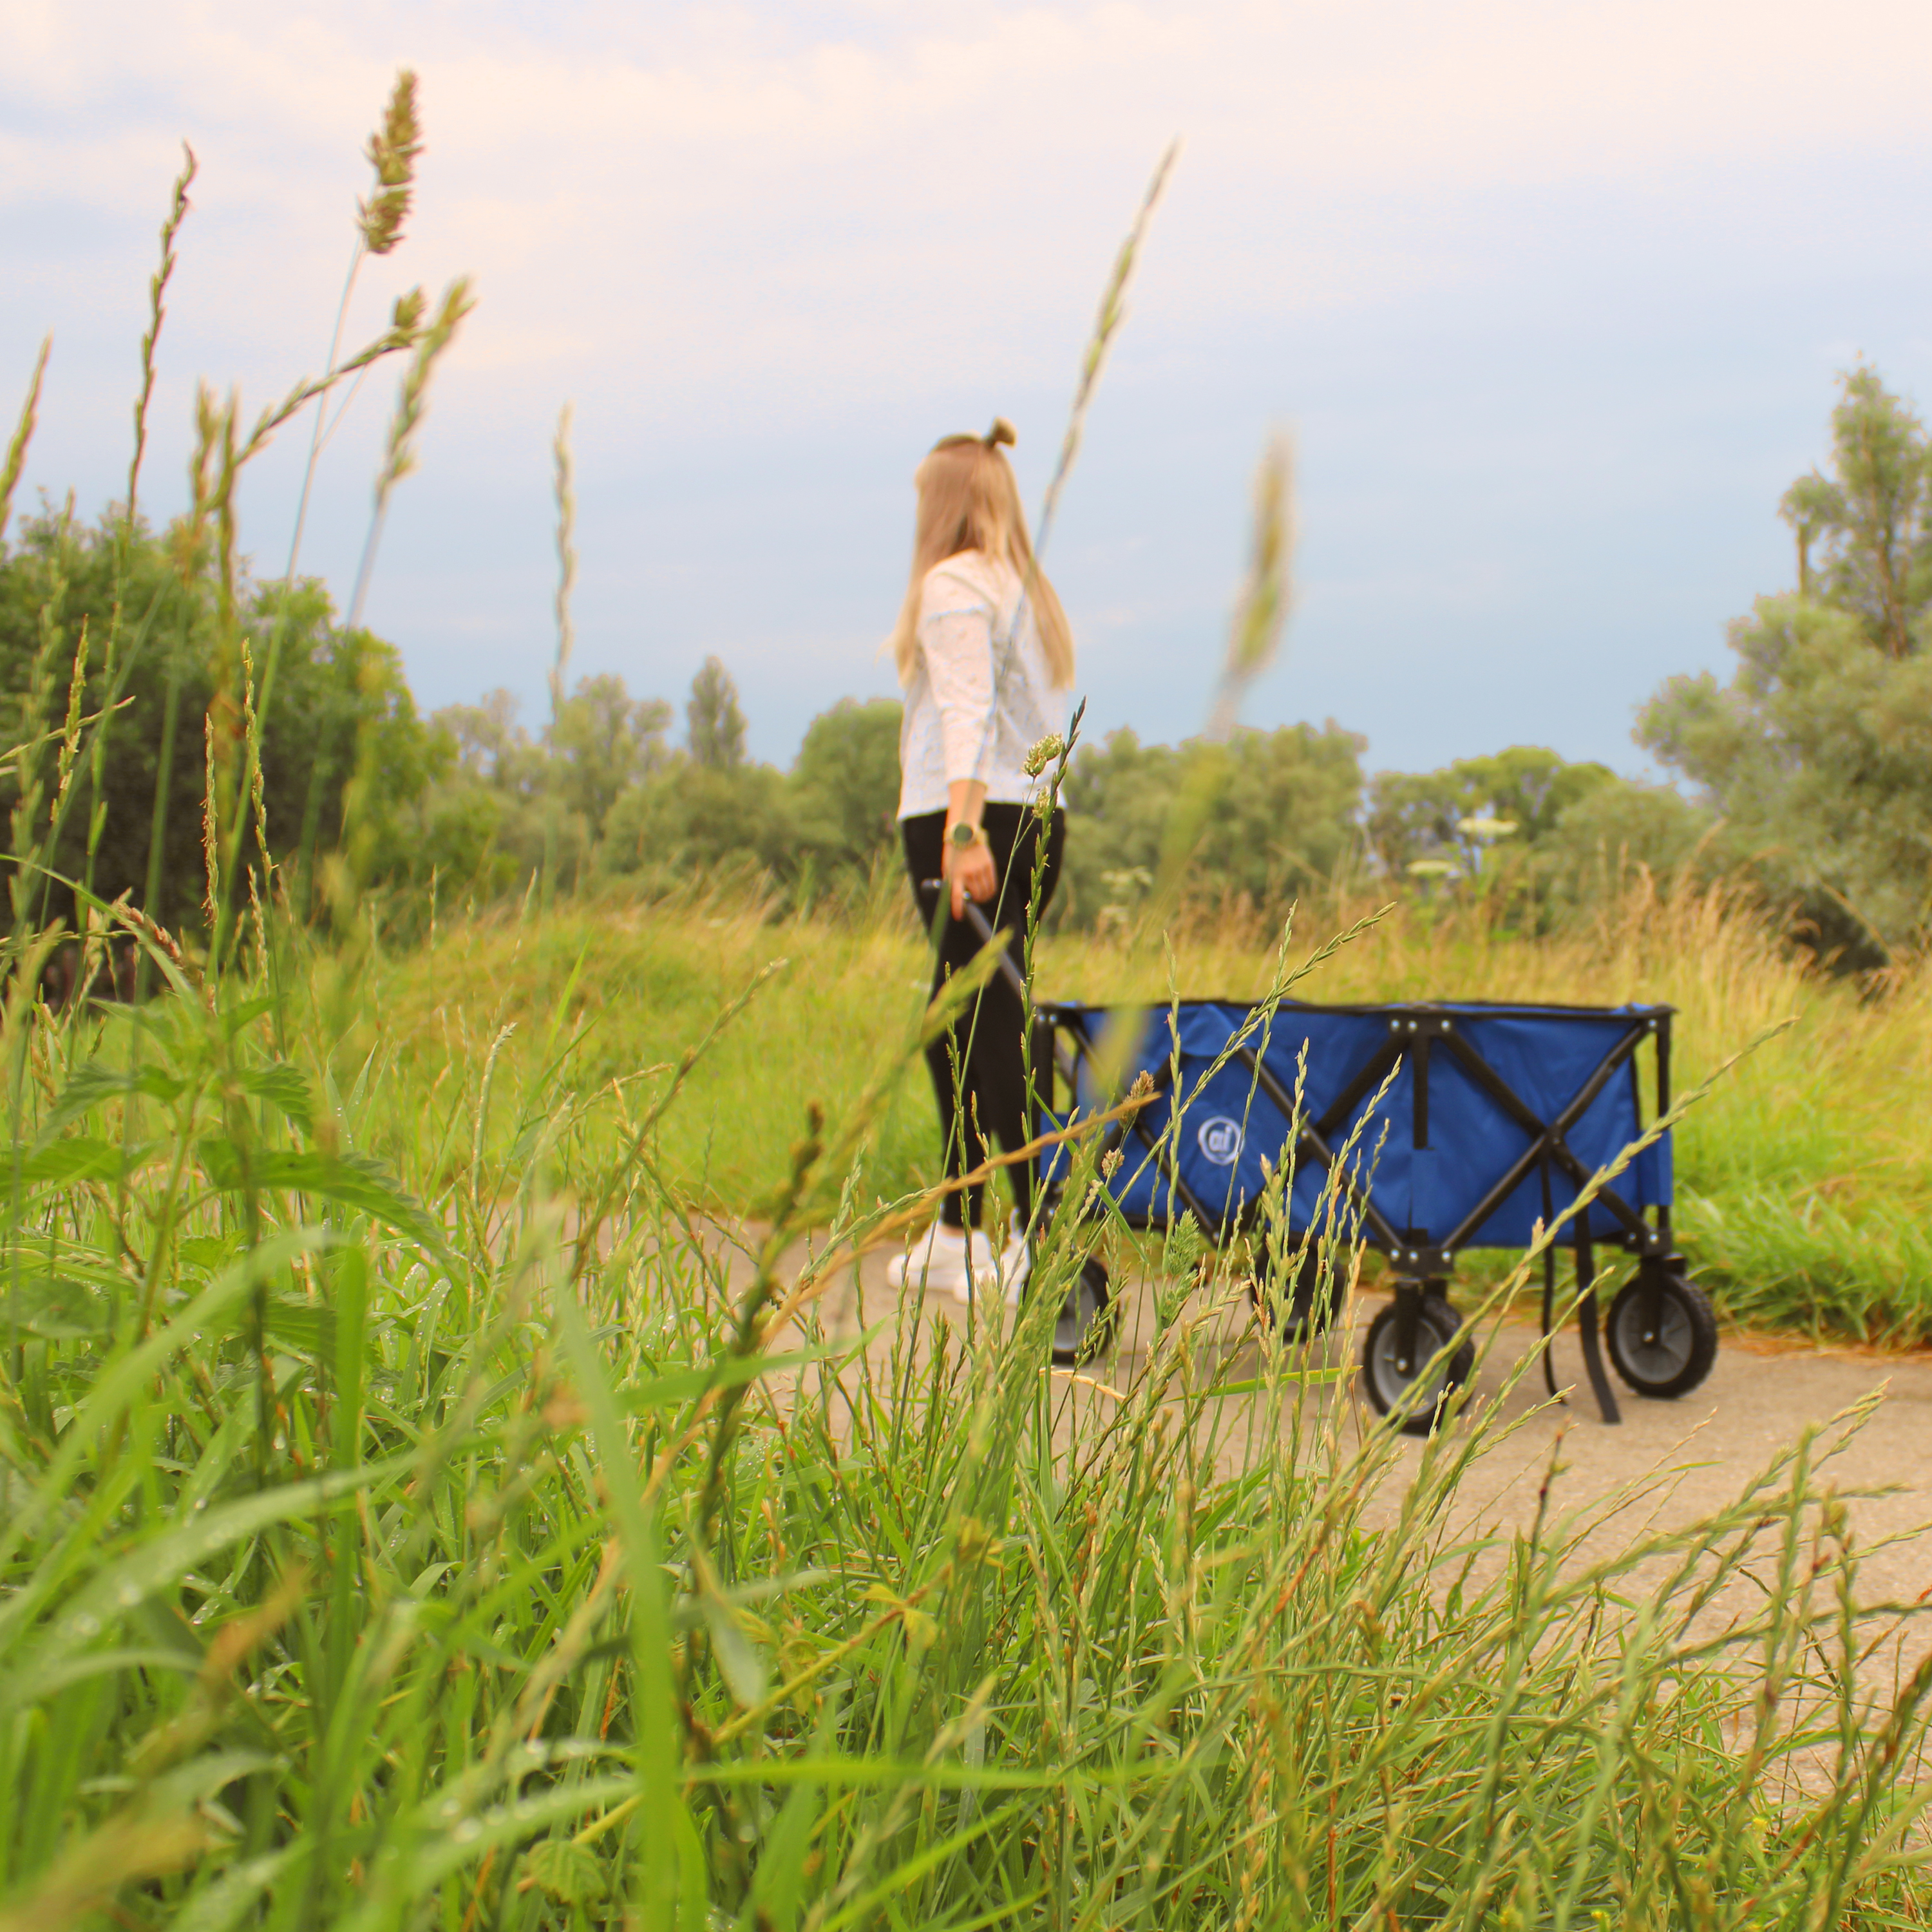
x=964 y=834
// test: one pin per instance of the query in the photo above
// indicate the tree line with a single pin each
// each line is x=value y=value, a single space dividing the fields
x=1806 y=776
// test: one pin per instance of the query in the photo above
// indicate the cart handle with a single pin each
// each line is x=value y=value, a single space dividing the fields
x=982 y=927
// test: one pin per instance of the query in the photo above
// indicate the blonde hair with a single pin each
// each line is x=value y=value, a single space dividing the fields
x=969 y=500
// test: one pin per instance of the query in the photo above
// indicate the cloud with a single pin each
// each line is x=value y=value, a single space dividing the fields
x=770 y=249
x=886 y=186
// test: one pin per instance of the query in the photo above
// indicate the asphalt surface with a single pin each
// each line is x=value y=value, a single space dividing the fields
x=1664 y=1464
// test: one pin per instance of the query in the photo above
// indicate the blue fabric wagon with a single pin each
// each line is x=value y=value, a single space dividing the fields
x=1428 y=1128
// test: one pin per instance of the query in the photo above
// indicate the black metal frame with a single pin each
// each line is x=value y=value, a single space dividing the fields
x=1061 y=1045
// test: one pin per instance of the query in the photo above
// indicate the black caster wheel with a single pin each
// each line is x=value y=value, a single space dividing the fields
x=1389 y=1376
x=1085 y=1324
x=1662 y=1334
x=1301 y=1287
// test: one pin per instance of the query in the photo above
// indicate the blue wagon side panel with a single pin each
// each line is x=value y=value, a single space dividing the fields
x=1547 y=1059
x=1324 y=1052
x=1230 y=1123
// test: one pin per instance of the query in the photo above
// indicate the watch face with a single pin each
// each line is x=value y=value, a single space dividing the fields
x=963 y=834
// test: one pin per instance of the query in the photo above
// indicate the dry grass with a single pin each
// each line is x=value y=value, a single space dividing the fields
x=1805 y=1180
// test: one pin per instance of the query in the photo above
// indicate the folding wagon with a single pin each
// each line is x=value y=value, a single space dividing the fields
x=1434 y=1127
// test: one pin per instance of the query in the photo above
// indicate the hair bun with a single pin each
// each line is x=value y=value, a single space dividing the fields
x=1002 y=431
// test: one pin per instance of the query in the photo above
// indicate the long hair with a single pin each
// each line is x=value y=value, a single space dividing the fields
x=968 y=500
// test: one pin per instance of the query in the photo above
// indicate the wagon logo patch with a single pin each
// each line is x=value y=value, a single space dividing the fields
x=1219 y=1140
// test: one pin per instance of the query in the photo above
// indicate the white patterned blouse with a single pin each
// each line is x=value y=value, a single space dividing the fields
x=981 y=696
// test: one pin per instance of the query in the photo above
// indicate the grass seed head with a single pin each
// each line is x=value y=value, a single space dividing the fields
x=405 y=319
x=413 y=399
x=392 y=152
x=211 y=819
x=1044 y=753
x=16 y=450
x=157 y=289
x=429 y=340
x=1262 y=612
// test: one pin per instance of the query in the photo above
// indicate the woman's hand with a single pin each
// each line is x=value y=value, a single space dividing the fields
x=971 y=871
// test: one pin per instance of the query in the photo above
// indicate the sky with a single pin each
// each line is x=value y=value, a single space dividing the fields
x=1552 y=299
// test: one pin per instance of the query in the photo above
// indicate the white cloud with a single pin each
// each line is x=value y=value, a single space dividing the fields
x=883 y=191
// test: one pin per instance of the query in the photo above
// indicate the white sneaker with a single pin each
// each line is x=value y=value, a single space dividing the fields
x=937 y=1262
x=942 y=1262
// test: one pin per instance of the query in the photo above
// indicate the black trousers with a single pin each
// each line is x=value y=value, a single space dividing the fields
x=987 y=1042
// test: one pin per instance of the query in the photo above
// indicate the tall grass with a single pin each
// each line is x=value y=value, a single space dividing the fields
x=472 y=1544
x=1804 y=1181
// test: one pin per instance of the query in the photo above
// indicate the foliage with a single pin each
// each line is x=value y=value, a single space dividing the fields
x=598 y=794
x=1435 y=815
x=479 y=806
x=1812 y=762
x=605 y=741
x=696 y=817
x=714 y=721
x=845 y=786
x=344 y=750
x=1543 y=841
x=1871 y=519
x=1618 y=830
x=1283 y=814
x=1817 y=752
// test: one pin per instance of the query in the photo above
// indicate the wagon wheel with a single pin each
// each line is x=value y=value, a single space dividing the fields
x=1297 y=1284
x=1662 y=1334
x=1085 y=1325
x=1389 y=1376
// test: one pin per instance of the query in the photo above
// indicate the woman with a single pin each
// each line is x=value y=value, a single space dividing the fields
x=985 y=660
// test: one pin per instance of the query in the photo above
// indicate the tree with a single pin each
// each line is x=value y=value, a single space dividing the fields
x=1616 y=829
x=699 y=818
x=602 y=741
x=714 y=724
x=489 y=745
x=1541 y=838
x=1286 y=818
x=845 y=785
x=344 y=752
x=1119 y=795
x=706 y=808
x=1818 y=753
x=1453 y=816
x=1871 y=518
x=510 y=806
x=833 y=815
x=1283 y=817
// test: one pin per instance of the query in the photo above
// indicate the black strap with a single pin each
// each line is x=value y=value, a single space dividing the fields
x=1548 y=1282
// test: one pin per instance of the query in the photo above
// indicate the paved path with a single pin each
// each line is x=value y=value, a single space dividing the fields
x=1679 y=1460
x=1666 y=1465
